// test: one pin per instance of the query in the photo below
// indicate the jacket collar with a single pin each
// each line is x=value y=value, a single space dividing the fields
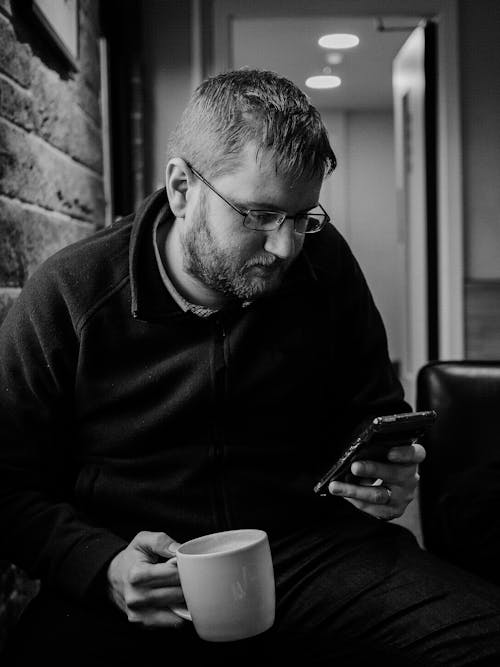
x=150 y=300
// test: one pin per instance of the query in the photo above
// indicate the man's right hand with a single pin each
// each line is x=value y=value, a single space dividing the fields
x=143 y=584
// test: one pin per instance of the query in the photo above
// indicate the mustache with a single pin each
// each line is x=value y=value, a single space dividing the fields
x=263 y=260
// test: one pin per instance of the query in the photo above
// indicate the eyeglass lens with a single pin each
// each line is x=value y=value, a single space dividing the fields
x=268 y=220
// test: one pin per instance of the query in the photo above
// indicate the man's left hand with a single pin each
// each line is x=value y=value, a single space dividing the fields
x=399 y=480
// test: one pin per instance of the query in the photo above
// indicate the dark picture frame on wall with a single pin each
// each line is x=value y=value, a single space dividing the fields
x=59 y=19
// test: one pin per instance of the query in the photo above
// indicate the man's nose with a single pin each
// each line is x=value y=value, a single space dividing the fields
x=282 y=242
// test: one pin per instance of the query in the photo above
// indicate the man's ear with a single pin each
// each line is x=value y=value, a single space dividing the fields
x=177 y=180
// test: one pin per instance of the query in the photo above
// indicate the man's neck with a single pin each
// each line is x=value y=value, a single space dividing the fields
x=188 y=287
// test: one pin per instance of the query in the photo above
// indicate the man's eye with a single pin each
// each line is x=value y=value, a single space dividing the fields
x=263 y=218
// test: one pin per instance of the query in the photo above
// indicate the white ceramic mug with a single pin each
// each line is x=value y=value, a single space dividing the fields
x=228 y=582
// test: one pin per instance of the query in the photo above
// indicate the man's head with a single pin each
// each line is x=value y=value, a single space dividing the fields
x=229 y=110
x=248 y=140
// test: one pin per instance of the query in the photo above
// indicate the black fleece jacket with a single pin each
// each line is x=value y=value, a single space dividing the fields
x=119 y=412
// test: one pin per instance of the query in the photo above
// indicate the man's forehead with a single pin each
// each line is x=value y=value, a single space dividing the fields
x=258 y=174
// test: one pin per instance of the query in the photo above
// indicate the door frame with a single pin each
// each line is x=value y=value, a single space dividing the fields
x=450 y=188
x=215 y=24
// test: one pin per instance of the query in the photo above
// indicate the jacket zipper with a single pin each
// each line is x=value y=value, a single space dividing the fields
x=221 y=371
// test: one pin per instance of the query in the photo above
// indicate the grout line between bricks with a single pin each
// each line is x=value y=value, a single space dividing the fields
x=36 y=208
x=27 y=91
x=5 y=16
x=58 y=151
x=16 y=84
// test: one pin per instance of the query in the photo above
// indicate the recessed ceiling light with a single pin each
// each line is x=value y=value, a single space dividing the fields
x=338 y=40
x=334 y=58
x=323 y=81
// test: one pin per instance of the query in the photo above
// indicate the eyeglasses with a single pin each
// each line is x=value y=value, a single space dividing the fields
x=308 y=222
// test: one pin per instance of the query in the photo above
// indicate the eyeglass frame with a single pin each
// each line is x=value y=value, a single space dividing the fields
x=244 y=212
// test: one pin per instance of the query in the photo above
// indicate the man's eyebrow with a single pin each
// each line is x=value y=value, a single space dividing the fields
x=266 y=206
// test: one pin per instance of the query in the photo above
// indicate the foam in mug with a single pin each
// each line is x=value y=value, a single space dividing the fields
x=228 y=582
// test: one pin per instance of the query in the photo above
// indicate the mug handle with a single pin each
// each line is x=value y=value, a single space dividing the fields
x=179 y=610
x=182 y=612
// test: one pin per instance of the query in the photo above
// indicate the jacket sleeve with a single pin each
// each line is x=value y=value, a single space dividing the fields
x=40 y=529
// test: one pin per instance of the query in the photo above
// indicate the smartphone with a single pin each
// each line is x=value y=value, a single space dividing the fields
x=374 y=441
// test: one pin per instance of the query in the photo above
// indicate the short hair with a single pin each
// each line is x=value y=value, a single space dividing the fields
x=229 y=110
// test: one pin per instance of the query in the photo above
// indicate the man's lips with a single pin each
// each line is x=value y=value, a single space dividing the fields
x=266 y=269
x=264 y=263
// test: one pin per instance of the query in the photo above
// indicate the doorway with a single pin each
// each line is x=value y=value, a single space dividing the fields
x=361 y=195
x=449 y=227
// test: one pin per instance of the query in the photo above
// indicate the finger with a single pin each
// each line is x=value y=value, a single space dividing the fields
x=384 y=512
x=156 y=598
x=407 y=454
x=376 y=495
x=156 y=618
x=155 y=575
x=159 y=544
x=389 y=472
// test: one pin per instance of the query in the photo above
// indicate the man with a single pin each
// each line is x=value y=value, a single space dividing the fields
x=195 y=368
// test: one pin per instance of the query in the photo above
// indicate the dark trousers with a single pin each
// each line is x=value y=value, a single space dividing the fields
x=358 y=592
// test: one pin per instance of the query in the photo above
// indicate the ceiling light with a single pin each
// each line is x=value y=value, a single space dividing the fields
x=323 y=81
x=334 y=58
x=338 y=40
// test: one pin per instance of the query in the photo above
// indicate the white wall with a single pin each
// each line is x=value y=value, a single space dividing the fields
x=334 y=194
x=361 y=198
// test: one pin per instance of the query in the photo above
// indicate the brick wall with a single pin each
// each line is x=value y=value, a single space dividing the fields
x=51 y=174
x=51 y=188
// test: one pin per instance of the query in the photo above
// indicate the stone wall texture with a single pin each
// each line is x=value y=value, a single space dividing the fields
x=51 y=174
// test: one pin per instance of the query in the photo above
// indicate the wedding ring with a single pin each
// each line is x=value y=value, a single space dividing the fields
x=389 y=495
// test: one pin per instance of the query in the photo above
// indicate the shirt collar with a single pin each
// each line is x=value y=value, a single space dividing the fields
x=184 y=304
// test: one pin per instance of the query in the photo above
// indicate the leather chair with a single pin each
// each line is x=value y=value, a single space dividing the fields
x=459 y=494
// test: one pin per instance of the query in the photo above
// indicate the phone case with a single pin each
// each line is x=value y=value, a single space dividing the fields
x=373 y=442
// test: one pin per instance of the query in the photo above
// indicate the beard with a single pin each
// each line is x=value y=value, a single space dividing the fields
x=226 y=271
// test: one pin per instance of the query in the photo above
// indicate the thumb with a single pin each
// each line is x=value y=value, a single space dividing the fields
x=173 y=546
x=159 y=543
x=166 y=546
